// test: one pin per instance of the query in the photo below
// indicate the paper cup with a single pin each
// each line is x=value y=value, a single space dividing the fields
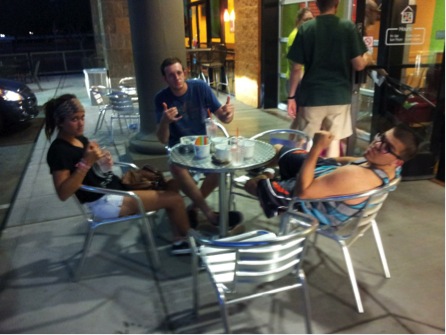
x=202 y=151
x=202 y=147
x=223 y=152
x=248 y=149
x=188 y=139
x=218 y=140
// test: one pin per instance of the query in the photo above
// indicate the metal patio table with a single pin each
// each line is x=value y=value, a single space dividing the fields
x=263 y=154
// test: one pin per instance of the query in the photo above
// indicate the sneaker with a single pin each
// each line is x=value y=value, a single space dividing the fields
x=181 y=248
x=271 y=197
x=234 y=218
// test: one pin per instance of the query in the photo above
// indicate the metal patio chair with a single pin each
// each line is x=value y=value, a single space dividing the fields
x=128 y=86
x=250 y=260
x=146 y=219
x=98 y=94
x=123 y=109
x=214 y=60
x=289 y=137
x=355 y=227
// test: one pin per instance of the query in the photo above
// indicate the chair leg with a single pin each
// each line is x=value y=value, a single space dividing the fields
x=111 y=130
x=306 y=301
x=217 y=81
x=100 y=120
x=231 y=193
x=195 y=292
x=120 y=124
x=85 y=249
x=351 y=274
x=380 y=247
x=223 y=310
x=154 y=256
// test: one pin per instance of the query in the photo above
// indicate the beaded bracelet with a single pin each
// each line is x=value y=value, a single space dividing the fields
x=83 y=166
x=290 y=98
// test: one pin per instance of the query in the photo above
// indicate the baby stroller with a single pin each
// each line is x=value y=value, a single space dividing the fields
x=410 y=106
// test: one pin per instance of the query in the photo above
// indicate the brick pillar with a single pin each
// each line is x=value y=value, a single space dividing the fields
x=113 y=39
x=247 y=46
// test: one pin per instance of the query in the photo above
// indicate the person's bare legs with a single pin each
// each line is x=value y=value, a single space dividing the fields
x=334 y=149
x=189 y=187
x=251 y=185
x=293 y=125
x=171 y=201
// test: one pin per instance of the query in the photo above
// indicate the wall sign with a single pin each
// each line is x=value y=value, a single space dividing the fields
x=406 y=35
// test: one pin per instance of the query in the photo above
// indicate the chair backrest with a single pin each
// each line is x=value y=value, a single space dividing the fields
x=95 y=92
x=359 y=221
x=219 y=52
x=121 y=102
x=222 y=128
x=215 y=57
x=128 y=86
x=288 y=137
x=258 y=256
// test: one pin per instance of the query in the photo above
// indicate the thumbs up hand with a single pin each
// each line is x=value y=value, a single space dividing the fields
x=226 y=112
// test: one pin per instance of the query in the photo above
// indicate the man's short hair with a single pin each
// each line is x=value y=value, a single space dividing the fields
x=325 y=5
x=409 y=139
x=169 y=61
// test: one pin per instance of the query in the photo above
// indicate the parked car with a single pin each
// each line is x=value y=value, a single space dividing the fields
x=18 y=103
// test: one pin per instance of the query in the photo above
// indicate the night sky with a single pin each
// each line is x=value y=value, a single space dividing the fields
x=44 y=17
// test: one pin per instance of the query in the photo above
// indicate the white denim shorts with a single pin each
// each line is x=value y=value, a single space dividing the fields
x=106 y=207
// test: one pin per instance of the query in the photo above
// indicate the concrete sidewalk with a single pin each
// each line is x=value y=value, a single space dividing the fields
x=120 y=294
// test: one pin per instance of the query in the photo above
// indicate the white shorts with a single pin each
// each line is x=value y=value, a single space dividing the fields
x=106 y=207
x=336 y=119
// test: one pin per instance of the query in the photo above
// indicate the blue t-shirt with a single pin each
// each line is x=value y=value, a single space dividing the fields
x=193 y=106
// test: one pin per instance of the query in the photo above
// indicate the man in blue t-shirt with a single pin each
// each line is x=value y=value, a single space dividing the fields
x=181 y=109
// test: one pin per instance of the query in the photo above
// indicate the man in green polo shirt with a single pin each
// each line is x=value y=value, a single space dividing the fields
x=329 y=48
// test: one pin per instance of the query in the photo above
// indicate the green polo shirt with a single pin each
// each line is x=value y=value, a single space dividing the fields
x=326 y=46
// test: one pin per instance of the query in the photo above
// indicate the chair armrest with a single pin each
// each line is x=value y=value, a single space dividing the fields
x=339 y=198
x=308 y=140
x=125 y=164
x=222 y=128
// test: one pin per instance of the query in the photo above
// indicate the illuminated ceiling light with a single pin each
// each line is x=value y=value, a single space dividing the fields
x=232 y=16
x=226 y=17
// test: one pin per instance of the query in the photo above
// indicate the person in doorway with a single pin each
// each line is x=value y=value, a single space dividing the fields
x=181 y=110
x=328 y=47
x=372 y=13
x=303 y=15
x=307 y=175
x=73 y=158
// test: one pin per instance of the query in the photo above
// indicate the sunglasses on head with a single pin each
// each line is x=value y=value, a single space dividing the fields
x=384 y=146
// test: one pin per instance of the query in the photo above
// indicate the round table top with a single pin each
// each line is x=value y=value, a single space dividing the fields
x=263 y=154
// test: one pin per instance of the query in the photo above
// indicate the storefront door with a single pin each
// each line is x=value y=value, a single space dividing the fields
x=406 y=39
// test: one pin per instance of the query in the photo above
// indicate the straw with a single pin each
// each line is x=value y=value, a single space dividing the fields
x=236 y=134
